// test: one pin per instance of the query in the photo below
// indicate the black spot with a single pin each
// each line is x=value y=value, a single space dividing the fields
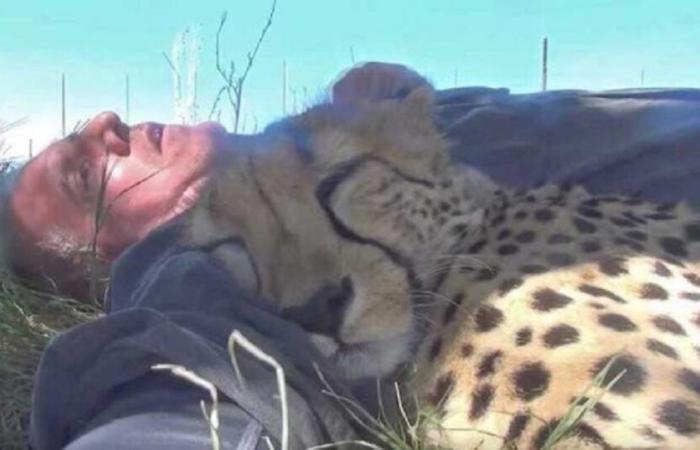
x=467 y=350
x=612 y=266
x=503 y=234
x=690 y=379
x=449 y=313
x=444 y=206
x=507 y=249
x=631 y=381
x=586 y=432
x=487 y=365
x=452 y=308
x=659 y=216
x=622 y=222
x=560 y=259
x=459 y=230
x=543 y=433
x=600 y=292
x=477 y=246
x=517 y=426
x=665 y=323
x=591 y=202
x=652 y=291
x=636 y=235
x=559 y=238
x=694 y=296
x=481 y=399
x=674 y=246
x=532 y=269
x=543 y=215
x=679 y=416
x=590 y=247
x=520 y=215
x=596 y=305
x=560 y=335
x=523 y=336
x=616 y=322
x=442 y=388
x=692 y=232
x=525 y=237
x=499 y=219
x=584 y=226
x=548 y=299
x=509 y=284
x=634 y=245
x=659 y=347
x=487 y=318
x=487 y=273
x=693 y=278
x=531 y=380
x=591 y=213
x=673 y=261
x=661 y=270
x=651 y=434
x=604 y=412
x=435 y=348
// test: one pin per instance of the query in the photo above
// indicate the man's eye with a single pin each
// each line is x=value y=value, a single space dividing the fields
x=81 y=179
x=85 y=175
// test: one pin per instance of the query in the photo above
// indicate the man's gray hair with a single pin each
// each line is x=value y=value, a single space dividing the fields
x=9 y=171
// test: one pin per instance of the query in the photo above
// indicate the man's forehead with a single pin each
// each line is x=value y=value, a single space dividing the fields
x=38 y=200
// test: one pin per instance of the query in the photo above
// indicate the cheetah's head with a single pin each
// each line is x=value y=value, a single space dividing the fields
x=333 y=210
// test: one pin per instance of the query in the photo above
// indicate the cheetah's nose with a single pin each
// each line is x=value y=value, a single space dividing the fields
x=323 y=312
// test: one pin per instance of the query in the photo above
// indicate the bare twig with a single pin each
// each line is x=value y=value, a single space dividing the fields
x=233 y=85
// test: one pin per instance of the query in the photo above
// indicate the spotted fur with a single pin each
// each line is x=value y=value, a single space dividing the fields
x=357 y=225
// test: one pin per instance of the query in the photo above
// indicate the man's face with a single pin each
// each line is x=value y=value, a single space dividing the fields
x=112 y=183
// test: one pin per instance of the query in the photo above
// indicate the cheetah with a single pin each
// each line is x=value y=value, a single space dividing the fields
x=352 y=219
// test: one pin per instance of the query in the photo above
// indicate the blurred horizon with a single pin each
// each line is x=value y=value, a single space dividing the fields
x=593 y=44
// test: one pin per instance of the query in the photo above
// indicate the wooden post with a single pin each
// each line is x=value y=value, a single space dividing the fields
x=63 y=104
x=284 y=87
x=544 y=63
x=128 y=112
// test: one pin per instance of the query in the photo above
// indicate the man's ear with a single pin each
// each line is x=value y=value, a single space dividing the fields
x=375 y=81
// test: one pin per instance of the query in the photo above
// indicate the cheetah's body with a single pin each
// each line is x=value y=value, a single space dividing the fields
x=553 y=285
x=355 y=223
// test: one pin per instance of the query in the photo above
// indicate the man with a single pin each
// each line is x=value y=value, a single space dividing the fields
x=83 y=200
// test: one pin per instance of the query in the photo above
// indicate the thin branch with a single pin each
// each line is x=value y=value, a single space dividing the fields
x=233 y=86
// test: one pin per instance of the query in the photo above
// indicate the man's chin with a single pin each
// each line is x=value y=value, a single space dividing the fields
x=212 y=127
x=189 y=197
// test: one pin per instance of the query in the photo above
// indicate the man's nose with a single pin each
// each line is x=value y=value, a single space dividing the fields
x=113 y=132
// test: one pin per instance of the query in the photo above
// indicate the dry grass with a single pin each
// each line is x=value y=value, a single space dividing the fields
x=28 y=319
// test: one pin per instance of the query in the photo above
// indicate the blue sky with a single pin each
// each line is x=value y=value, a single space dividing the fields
x=594 y=44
